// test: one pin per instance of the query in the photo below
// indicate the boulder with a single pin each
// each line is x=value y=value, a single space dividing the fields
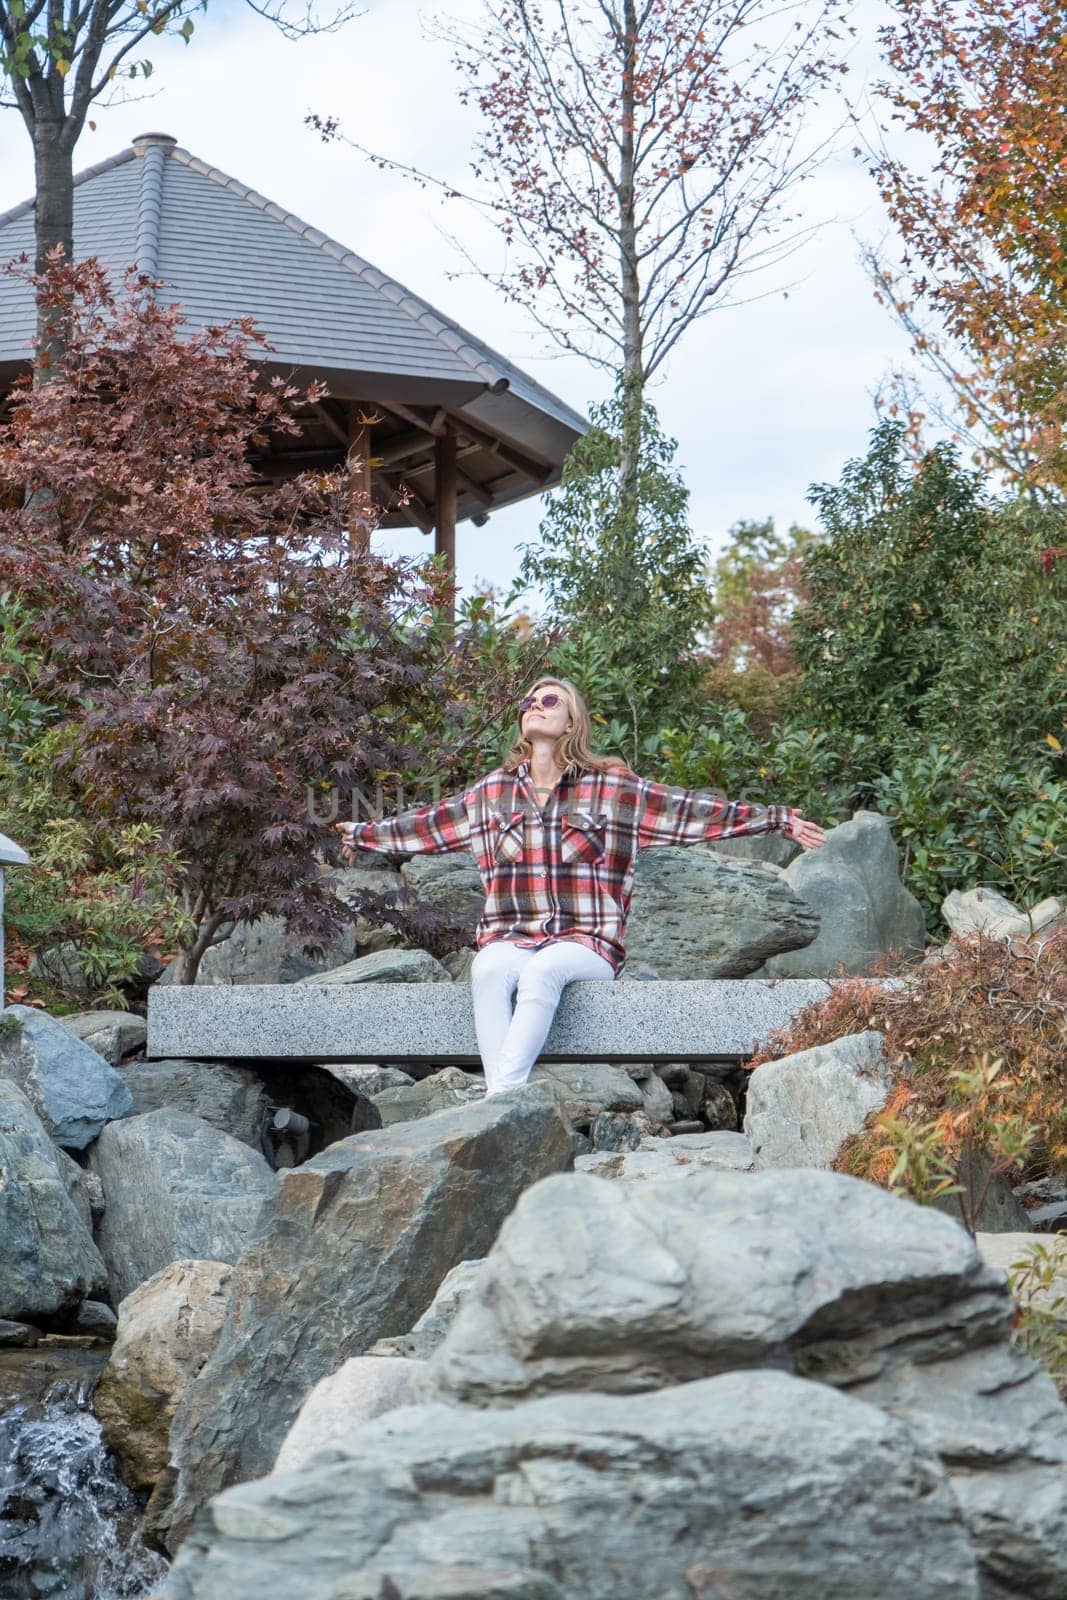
x=174 y=1188
x=695 y=915
x=387 y=966
x=440 y=1091
x=999 y=1211
x=262 y=952
x=74 y=1092
x=376 y=876
x=436 y=1320
x=112 y=1034
x=233 y=1099
x=620 y=1286
x=83 y=1189
x=755 y=1485
x=458 y=964
x=657 y=1101
x=801 y=1108
x=366 y=1079
x=167 y=1328
x=48 y=1261
x=633 y=1286
x=852 y=882
x=363 y=1388
x=350 y=1248
x=1005 y=1251
x=987 y=910
x=449 y=882
x=662 y=1158
x=772 y=849
x=589 y=1088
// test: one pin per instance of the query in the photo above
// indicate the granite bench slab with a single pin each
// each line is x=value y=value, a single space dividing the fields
x=670 y=1020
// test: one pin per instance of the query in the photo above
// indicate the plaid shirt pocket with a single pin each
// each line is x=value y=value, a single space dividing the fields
x=582 y=836
x=509 y=835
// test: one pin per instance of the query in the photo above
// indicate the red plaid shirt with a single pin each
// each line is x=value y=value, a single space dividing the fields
x=563 y=867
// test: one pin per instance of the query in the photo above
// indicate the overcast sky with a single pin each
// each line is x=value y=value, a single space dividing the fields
x=763 y=398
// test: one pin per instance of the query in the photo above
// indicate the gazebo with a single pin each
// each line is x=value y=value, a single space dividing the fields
x=435 y=426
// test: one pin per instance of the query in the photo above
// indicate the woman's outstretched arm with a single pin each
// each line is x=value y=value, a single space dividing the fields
x=442 y=825
x=668 y=814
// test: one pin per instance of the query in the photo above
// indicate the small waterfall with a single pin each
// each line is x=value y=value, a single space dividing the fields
x=69 y=1526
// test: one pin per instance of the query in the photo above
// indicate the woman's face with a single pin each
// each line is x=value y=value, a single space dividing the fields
x=551 y=720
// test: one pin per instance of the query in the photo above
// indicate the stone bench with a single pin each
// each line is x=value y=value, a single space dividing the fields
x=670 y=1020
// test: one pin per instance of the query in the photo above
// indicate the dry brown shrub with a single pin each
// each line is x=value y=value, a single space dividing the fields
x=986 y=998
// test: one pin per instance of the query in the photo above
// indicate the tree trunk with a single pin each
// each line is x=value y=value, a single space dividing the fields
x=54 y=225
x=632 y=377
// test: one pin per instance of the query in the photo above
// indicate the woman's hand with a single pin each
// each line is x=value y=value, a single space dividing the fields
x=348 y=850
x=807 y=834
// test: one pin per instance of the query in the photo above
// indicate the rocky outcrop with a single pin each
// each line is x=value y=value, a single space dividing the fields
x=363 y=1388
x=48 y=1261
x=806 y=1271
x=440 y=1091
x=986 y=910
x=802 y=1108
x=386 y=966
x=232 y=1099
x=351 y=1248
x=662 y=1158
x=167 y=1328
x=753 y=1484
x=852 y=883
x=112 y=1034
x=681 y=1278
x=73 y=1090
x=436 y=1320
x=174 y=1188
x=696 y=915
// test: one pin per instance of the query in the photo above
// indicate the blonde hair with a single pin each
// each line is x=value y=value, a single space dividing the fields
x=573 y=748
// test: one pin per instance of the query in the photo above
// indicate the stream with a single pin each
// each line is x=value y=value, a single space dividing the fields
x=69 y=1526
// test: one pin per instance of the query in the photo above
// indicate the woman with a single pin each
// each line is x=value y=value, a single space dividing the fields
x=555 y=831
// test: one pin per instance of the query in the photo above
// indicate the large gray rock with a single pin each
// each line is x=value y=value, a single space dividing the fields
x=112 y=1034
x=167 y=1329
x=440 y=1091
x=448 y=882
x=174 y=1188
x=1001 y=1428
x=801 y=1108
x=48 y=1262
x=363 y=1388
x=262 y=952
x=351 y=1248
x=754 y=1485
x=622 y=1286
x=695 y=915
x=589 y=1088
x=436 y=1320
x=387 y=966
x=987 y=910
x=773 y=849
x=852 y=882
x=631 y=1286
x=231 y=1098
x=664 y=1158
x=1008 y=1251
x=72 y=1089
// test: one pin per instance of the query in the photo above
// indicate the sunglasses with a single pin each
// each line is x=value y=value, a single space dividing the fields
x=547 y=701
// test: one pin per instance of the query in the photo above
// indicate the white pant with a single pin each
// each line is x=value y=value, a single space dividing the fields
x=510 y=1041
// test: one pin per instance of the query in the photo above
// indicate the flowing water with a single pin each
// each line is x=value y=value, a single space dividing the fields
x=69 y=1526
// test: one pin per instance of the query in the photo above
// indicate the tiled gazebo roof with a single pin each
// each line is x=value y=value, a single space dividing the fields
x=392 y=364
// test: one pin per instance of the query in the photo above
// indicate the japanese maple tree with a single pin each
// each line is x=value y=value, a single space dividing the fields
x=213 y=652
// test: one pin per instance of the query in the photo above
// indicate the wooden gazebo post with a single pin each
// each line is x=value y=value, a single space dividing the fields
x=359 y=478
x=445 y=505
